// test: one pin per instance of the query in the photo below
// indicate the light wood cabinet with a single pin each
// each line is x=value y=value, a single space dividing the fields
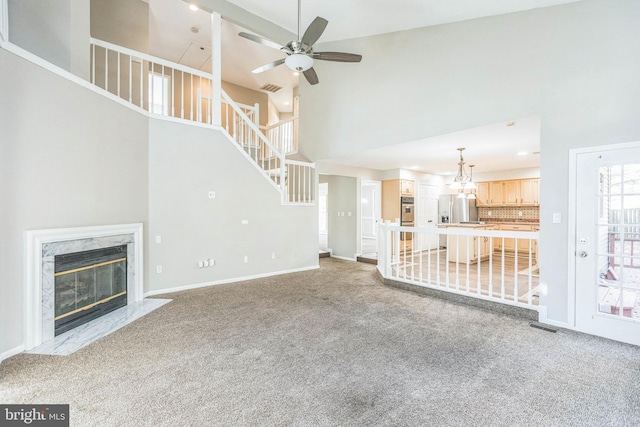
x=510 y=242
x=496 y=193
x=517 y=192
x=406 y=187
x=511 y=193
x=392 y=191
x=529 y=192
x=457 y=247
x=482 y=194
x=390 y=199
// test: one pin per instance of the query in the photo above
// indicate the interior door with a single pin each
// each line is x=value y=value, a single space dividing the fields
x=427 y=214
x=370 y=211
x=607 y=287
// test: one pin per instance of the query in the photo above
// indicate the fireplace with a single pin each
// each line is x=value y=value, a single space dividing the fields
x=88 y=284
x=45 y=247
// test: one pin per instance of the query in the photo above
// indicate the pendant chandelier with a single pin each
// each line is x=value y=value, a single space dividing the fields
x=463 y=182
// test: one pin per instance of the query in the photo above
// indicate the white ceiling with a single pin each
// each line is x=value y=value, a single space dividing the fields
x=358 y=18
x=500 y=146
x=171 y=37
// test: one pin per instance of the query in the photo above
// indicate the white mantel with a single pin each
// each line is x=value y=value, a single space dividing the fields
x=40 y=248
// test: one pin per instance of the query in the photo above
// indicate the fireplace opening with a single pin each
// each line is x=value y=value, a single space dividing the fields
x=89 y=284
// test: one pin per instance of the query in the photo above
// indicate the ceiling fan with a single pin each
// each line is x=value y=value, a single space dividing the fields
x=300 y=54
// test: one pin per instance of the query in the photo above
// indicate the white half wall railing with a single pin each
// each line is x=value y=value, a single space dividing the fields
x=171 y=90
x=475 y=263
x=284 y=135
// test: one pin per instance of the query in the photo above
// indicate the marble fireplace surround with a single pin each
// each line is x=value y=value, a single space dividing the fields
x=40 y=248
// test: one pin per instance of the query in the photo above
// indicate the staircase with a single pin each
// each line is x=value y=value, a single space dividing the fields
x=181 y=93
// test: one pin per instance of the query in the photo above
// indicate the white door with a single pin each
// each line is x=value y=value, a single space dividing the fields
x=370 y=212
x=607 y=288
x=427 y=214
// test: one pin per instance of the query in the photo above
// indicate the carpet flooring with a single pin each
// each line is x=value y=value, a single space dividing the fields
x=332 y=347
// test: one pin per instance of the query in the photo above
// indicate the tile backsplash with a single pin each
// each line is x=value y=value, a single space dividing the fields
x=529 y=213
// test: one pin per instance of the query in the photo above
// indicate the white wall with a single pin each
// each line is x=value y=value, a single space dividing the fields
x=185 y=163
x=55 y=30
x=62 y=164
x=574 y=65
x=503 y=175
x=4 y=20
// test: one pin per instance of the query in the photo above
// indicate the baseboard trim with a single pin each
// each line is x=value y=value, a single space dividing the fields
x=7 y=354
x=227 y=281
x=343 y=258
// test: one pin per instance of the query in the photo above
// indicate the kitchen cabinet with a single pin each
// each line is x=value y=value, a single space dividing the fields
x=457 y=246
x=511 y=193
x=482 y=194
x=406 y=187
x=392 y=191
x=529 y=192
x=495 y=193
x=509 y=243
x=516 y=192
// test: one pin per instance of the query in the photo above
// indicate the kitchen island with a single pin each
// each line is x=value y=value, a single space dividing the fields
x=458 y=246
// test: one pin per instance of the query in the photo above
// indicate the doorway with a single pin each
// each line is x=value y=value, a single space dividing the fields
x=607 y=243
x=370 y=215
x=323 y=216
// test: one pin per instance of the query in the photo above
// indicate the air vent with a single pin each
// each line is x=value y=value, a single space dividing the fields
x=270 y=87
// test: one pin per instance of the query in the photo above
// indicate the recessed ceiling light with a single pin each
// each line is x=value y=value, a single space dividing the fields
x=286 y=103
x=295 y=73
x=415 y=167
x=193 y=7
x=522 y=153
x=511 y=123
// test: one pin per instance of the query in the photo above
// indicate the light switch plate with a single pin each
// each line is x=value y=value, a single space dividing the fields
x=557 y=218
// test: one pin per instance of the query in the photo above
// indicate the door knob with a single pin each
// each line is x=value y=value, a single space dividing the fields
x=583 y=254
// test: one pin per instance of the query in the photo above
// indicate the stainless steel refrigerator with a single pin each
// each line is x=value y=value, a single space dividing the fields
x=452 y=210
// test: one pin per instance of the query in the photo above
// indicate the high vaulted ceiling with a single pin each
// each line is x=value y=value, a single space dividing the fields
x=182 y=35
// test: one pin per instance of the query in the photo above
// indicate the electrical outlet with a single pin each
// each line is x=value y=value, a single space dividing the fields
x=158 y=269
x=212 y=262
x=158 y=239
x=519 y=213
x=246 y=259
x=273 y=255
x=245 y=221
x=557 y=218
x=489 y=213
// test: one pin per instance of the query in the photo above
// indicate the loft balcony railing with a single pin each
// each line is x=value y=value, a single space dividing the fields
x=167 y=89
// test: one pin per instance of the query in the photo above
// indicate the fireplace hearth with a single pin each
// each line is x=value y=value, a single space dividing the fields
x=88 y=284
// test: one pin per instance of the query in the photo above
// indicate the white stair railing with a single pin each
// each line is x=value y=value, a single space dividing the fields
x=153 y=84
x=284 y=135
x=172 y=90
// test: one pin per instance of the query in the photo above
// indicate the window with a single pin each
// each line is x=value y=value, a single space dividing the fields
x=158 y=94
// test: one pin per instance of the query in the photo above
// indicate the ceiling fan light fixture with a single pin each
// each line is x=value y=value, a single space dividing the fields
x=299 y=62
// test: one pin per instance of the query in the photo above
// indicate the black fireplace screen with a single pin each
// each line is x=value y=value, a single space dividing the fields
x=88 y=285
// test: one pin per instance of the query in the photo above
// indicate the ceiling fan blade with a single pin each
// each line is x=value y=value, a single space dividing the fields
x=315 y=30
x=261 y=40
x=268 y=66
x=337 y=56
x=311 y=76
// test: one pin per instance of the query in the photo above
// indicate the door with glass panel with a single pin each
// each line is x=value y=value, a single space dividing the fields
x=608 y=244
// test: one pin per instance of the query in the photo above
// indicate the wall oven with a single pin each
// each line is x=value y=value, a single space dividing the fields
x=406 y=216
